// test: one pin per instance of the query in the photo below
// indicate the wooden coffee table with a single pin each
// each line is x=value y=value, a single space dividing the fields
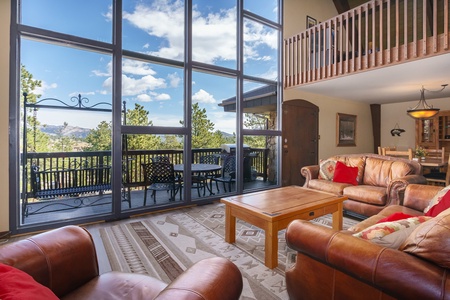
x=273 y=210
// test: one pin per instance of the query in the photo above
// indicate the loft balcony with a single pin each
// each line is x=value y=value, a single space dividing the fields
x=374 y=35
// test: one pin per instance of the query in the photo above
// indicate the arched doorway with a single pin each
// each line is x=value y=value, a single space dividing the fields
x=300 y=139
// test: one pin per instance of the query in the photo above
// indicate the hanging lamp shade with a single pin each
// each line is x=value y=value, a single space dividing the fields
x=422 y=110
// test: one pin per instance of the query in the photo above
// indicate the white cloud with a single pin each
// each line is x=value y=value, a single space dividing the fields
x=136 y=68
x=108 y=15
x=134 y=86
x=163 y=20
x=214 y=34
x=138 y=78
x=162 y=97
x=83 y=94
x=40 y=90
x=143 y=98
x=150 y=97
x=203 y=96
x=174 y=79
x=224 y=121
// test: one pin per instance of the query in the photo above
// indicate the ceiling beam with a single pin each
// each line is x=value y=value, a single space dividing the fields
x=341 y=6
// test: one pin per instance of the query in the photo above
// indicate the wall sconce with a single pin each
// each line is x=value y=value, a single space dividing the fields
x=422 y=110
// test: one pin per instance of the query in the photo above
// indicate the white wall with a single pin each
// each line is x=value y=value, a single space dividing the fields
x=295 y=13
x=4 y=114
x=396 y=113
x=328 y=109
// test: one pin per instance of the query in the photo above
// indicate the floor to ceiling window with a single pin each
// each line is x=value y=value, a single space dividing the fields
x=127 y=106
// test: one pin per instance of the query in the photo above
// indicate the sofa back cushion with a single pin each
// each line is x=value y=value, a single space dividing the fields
x=431 y=240
x=381 y=172
x=353 y=161
x=326 y=169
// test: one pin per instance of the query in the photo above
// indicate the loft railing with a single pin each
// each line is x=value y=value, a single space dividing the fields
x=376 y=34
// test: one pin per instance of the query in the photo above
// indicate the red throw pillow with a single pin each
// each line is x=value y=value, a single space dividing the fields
x=395 y=217
x=440 y=206
x=15 y=284
x=345 y=174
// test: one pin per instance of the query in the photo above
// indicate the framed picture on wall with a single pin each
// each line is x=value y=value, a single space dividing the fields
x=345 y=130
x=310 y=22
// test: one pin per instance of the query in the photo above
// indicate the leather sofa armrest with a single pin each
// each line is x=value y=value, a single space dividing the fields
x=417 y=196
x=62 y=259
x=397 y=187
x=395 y=272
x=213 y=278
x=309 y=172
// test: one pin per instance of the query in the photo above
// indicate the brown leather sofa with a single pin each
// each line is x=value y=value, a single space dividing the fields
x=336 y=265
x=381 y=181
x=65 y=261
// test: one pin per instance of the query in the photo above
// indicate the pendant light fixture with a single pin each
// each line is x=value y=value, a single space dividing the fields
x=422 y=110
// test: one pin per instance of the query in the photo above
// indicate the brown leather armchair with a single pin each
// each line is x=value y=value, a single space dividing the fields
x=65 y=261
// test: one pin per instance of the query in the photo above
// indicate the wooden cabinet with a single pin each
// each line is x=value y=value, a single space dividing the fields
x=426 y=133
x=434 y=133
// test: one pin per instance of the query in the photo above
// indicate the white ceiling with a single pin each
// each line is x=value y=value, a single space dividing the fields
x=398 y=83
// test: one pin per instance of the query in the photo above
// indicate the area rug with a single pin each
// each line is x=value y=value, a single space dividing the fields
x=163 y=245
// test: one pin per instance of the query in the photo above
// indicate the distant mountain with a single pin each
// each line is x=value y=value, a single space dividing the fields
x=72 y=131
x=81 y=133
x=226 y=134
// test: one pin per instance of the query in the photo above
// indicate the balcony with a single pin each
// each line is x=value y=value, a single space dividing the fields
x=83 y=181
x=371 y=36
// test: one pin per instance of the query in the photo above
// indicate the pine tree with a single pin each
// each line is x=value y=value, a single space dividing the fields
x=99 y=138
x=37 y=141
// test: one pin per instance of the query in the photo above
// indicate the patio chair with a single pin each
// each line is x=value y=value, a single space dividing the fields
x=161 y=158
x=228 y=173
x=200 y=180
x=159 y=176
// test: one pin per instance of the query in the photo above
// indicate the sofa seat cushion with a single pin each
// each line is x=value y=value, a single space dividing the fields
x=117 y=286
x=336 y=188
x=366 y=193
x=379 y=172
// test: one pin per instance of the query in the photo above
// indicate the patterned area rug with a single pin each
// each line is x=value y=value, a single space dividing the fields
x=163 y=245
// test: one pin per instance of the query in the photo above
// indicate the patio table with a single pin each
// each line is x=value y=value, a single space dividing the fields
x=200 y=169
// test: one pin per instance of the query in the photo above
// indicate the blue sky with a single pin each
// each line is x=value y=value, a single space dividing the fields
x=152 y=27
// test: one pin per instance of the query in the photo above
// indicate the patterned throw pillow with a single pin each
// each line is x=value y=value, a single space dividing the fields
x=438 y=197
x=327 y=168
x=391 y=234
